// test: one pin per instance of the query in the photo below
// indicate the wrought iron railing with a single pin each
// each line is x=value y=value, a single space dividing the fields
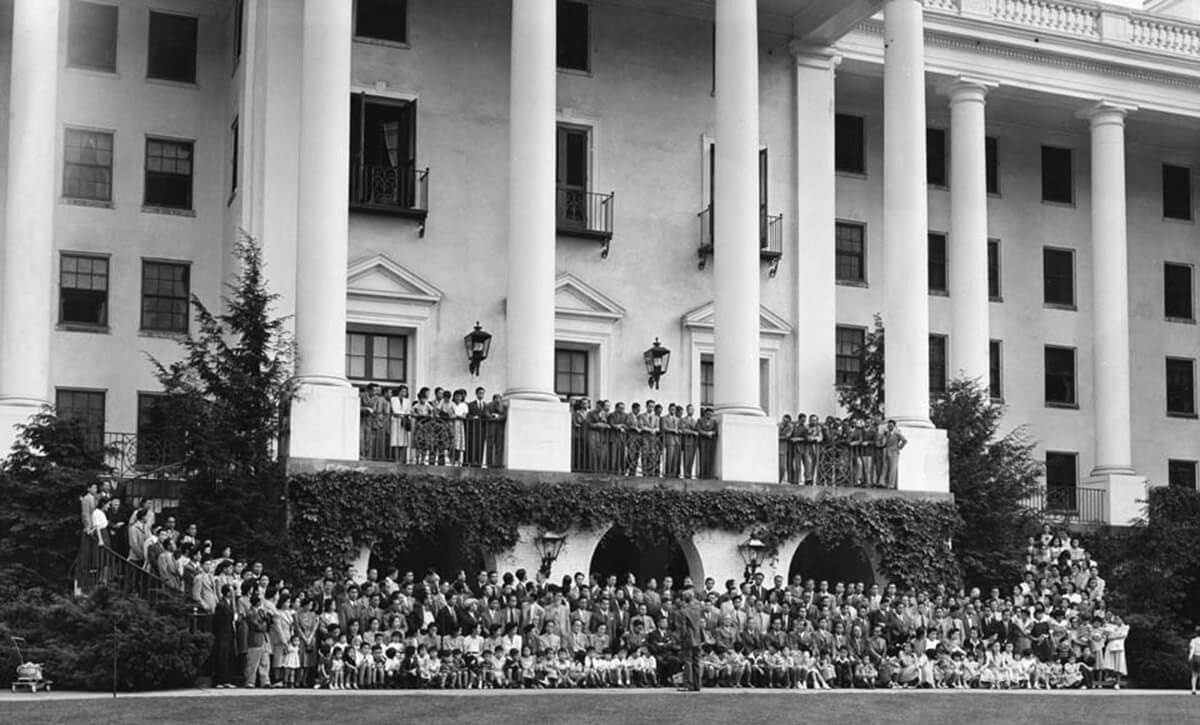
x=831 y=463
x=390 y=188
x=586 y=214
x=433 y=440
x=98 y=565
x=130 y=454
x=1070 y=503
x=770 y=237
x=627 y=450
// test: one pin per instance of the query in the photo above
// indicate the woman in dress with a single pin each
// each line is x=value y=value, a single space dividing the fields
x=280 y=634
x=458 y=415
x=422 y=433
x=400 y=423
x=1114 y=648
x=306 y=624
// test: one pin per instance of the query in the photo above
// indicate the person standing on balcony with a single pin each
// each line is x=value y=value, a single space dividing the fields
x=496 y=414
x=458 y=417
x=785 y=459
x=797 y=442
x=862 y=448
x=706 y=439
x=814 y=437
x=687 y=429
x=476 y=414
x=618 y=422
x=894 y=442
x=879 y=433
x=633 y=439
x=422 y=416
x=401 y=423
x=597 y=437
x=652 y=453
x=671 y=441
x=373 y=417
x=579 y=437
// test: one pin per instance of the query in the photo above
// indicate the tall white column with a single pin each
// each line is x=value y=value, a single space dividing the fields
x=324 y=420
x=968 y=231
x=1110 y=292
x=742 y=445
x=539 y=425
x=905 y=212
x=26 y=297
x=816 y=205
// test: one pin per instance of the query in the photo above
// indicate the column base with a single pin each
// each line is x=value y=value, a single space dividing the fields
x=925 y=461
x=15 y=412
x=747 y=448
x=1120 y=503
x=538 y=436
x=324 y=421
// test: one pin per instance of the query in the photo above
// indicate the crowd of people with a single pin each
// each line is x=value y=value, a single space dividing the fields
x=440 y=427
x=343 y=631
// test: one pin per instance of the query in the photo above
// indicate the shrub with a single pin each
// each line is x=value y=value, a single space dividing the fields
x=73 y=640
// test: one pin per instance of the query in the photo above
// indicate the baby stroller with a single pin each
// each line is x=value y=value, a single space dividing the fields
x=29 y=674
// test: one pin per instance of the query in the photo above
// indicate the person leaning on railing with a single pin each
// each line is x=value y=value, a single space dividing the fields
x=400 y=426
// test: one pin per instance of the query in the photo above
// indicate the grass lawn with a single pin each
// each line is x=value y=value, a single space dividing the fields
x=610 y=708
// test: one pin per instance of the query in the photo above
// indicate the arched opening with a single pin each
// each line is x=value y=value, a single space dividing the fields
x=845 y=562
x=442 y=551
x=619 y=553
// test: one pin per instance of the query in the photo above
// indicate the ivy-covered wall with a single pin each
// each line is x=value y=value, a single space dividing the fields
x=335 y=513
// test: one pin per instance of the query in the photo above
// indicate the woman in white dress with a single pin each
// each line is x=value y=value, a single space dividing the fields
x=401 y=425
x=1114 y=648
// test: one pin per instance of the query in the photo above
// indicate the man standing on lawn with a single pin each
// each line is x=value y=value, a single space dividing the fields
x=689 y=624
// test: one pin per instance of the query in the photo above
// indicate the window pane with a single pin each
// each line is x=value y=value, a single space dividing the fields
x=993 y=165
x=1177 y=192
x=87 y=165
x=849 y=154
x=83 y=290
x=937 y=263
x=1058 y=268
x=935 y=156
x=937 y=364
x=1182 y=474
x=92 y=36
x=168 y=174
x=165 y=296
x=573 y=47
x=995 y=375
x=382 y=19
x=848 y=357
x=1060 y=470
x=1060 y=375
x=1177 y=291
x=850 y=261
x=172 y=47
x=86 y=406
x=1057 y=180
x=1181 y=395
x=993 y=252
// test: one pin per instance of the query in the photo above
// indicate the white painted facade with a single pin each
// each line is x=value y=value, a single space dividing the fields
x=648 y=100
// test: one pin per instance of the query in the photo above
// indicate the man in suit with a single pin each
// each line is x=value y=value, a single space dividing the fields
x=690 y=626
x=258 y=650
x=477 y=411
x=224 y=652
x=496 y=412
x=687 y=429
x=352 y=609
x=893 y=442
x=204 y=587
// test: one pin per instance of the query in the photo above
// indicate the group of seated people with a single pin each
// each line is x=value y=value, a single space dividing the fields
x=439 y=428
x=345 y=631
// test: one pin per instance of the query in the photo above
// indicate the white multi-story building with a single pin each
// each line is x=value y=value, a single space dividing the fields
x=1007 y=182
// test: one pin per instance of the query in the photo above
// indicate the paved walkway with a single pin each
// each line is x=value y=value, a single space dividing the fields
x=746 y=692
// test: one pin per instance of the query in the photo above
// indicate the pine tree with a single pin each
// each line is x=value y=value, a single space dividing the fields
x=223 y=413
x=48 y=469
x=863 y=399
x=991 y=477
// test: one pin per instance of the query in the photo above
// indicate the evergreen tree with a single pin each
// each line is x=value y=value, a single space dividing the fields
x=48 y=469
x=224 y=412
x=991 y=477
x=863 y=399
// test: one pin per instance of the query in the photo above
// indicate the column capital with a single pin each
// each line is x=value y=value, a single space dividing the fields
x=815 y=56
x=1105 y=112
x=966 y=88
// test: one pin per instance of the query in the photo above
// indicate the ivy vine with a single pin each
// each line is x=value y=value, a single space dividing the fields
x=335 y=513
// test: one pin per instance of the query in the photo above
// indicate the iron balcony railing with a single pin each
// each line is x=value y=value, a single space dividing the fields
x=629 y=450
x=99 y=565
x=402 y=190
x=130 y=454
x=433 y=440
x=770 y=237
x=1071 y=504
x=585 y=214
